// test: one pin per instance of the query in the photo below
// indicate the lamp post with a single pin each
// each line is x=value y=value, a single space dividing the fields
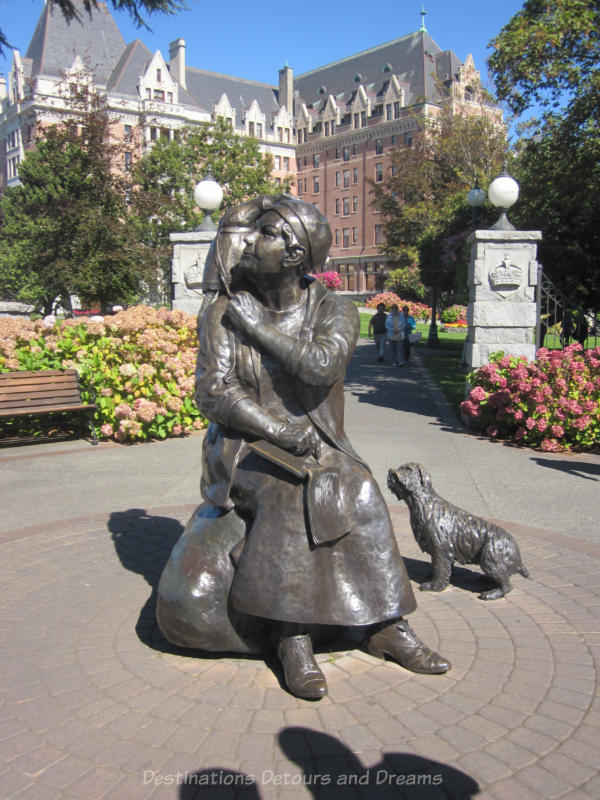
x=475 y=198
x=503 y=192
x=208 y=196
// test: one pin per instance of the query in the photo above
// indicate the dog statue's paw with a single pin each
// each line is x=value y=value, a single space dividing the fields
x=432 y=586
x=492 y=594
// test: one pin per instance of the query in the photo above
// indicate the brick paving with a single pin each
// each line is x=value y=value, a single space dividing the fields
x=97 y=705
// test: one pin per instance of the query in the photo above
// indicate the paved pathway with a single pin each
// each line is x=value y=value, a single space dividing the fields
x=97 y=705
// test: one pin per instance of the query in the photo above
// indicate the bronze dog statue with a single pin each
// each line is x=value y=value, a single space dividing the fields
x=450 y=534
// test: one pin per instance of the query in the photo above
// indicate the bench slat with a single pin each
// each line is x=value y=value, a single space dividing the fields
x=50 y=410
x=48 y=402
x=39 y=391
x=58 y=380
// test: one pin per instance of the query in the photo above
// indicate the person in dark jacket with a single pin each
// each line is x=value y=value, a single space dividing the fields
x=273 y=350
x=378 y=330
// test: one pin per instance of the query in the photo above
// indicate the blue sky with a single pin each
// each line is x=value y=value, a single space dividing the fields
x=253 y=40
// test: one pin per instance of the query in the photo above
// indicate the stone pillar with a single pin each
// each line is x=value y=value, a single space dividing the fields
x=187 y=267
x=502 y=310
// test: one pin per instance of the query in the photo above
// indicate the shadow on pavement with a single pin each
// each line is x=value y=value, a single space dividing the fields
x=398 y=388
x=329 y=769
x=143 y=544
x=572 y=467
x=462 y=577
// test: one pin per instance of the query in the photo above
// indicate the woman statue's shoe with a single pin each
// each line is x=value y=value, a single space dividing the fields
x=302 y=675
x=398 y=641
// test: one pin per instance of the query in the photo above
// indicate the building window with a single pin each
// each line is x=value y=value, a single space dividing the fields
x=354 y=235
x=394 y=170
x=280 y=134
x=378 y=172
x=354 y=204
x=250 y=129
x=258 y=130
x=363 y=118
x=346 y=237
x=346 y=207
x=326 y=129
x=394 y=140
x=337 y=205
x=277 y=162
x=154 y=134
x=378 y=146
x=286 y=163
x=346 y=154
x=148 y=94
x=337 y=178
x=159 y=95
x=357 y=121
x=408 y=139
x=127 y=162
x=388 y=111
x=332 y=127
x=397 y=109
x=355 y=175
x=158 y=76
x=346 y=178
x=169 y=97
x=299 y=135
x=287 y=135
x=378 y=234
x=337 y=237
x=316 y=184
x=337 y=152
x=316 y=160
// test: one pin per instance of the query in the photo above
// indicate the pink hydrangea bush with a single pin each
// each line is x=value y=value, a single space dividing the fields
x=552 y=402
x=140 y=363
x=331 y=280
x=419 y=311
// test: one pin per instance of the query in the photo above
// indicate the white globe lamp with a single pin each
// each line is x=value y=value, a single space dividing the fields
x=503 y=192
x=208 y=196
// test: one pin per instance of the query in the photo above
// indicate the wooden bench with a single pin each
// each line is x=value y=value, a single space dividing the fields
x=44 y=392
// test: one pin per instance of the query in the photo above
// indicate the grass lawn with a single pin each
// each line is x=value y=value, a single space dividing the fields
x=442 y=361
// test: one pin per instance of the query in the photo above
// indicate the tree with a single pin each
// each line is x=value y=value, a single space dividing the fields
x=163 y=183
x=423 y=199
x=548 y=54
x=64 y=228
x=72 y=12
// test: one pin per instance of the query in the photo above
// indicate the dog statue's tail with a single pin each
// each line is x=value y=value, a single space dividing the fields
x=522 y=570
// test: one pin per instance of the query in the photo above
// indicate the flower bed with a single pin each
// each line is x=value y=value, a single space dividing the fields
x=419 y=311
x=140 y=363
x=552 y=403
x=331 y=280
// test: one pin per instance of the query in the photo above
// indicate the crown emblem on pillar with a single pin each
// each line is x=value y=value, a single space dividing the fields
x=193 y=275
x=506 y=276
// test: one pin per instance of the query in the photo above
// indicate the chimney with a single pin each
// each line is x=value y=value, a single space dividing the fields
x=286 y=88
x=177 y=61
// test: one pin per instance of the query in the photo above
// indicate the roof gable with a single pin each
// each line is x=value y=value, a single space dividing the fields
x=411 y=58
x=94 y=37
